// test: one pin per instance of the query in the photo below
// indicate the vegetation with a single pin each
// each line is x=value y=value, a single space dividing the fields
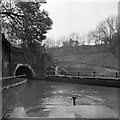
x=104 y=31
x=105 y=34
x=86 y=60
x=25 y=23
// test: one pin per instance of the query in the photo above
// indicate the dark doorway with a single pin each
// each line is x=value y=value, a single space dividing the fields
x=24 y=70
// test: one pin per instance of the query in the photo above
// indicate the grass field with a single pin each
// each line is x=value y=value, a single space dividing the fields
x=86 y=59
x=104 y=64
x=107 y=60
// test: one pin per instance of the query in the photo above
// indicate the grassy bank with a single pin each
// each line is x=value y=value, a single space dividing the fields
x=86 y=59
x=107 y=60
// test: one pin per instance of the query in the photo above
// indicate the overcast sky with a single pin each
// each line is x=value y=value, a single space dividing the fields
x=77 y=16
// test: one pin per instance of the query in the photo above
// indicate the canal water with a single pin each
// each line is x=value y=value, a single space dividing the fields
x=38 y=96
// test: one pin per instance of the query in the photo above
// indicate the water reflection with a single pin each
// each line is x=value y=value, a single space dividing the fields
x=38 y=96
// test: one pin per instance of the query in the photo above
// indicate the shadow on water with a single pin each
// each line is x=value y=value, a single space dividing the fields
x=29 y=83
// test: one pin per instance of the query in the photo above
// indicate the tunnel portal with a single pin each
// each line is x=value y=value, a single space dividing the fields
x=21 y=70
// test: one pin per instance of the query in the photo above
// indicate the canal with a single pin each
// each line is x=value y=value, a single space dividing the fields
x=38 y=96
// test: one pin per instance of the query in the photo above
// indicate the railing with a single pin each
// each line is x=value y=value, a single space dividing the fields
x=19 y=76
x=12 y=81
x=95 y=74
x=92 y=74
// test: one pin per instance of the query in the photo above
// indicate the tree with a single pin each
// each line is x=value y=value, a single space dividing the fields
x=108 y=33
x=76 y=43
x=26 y=22
x=58 y=43
x=49 y=43
x=92 y=37
x=74 y=36
x=71 y=42
x=75 y=39
x=104 y=31
x=65 y=43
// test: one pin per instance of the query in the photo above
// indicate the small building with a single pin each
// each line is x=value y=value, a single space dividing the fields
x=50 y=70
x=63 y=72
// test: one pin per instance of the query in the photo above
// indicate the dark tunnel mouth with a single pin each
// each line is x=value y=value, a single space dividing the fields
x=24 y=70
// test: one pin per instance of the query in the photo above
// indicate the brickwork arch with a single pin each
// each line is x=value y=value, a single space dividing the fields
x=24 y=69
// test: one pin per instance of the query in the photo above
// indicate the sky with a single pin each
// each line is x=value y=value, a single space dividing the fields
x=77 y=16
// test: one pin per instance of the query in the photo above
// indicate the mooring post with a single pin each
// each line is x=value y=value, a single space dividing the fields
x=94 y=74
x=116 y=75
x=78 y=73
x=74 y=102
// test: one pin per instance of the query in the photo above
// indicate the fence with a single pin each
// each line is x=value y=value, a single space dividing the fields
x=12 y=81
x=93 y=74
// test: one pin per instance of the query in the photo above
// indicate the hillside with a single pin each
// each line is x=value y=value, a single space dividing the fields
x=104 y=59
x=86 y=59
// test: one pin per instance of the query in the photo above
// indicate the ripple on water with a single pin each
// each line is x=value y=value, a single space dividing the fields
x=89 y=100
x=58 y=94
x=56 y=100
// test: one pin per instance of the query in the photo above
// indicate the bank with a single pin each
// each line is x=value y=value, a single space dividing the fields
x=101 y=81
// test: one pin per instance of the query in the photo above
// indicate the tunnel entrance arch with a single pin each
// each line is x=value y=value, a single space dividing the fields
x=22 y=69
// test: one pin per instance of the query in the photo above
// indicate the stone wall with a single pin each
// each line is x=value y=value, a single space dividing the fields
x=5 y=57
x=13 y=56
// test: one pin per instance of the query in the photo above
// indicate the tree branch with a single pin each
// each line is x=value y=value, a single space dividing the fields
x=10 y=13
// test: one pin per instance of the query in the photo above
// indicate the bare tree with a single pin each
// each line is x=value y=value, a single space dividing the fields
x=49 y=43
x=93 y=37
x=75 y=39
x=58 y=42
x=104 y=31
